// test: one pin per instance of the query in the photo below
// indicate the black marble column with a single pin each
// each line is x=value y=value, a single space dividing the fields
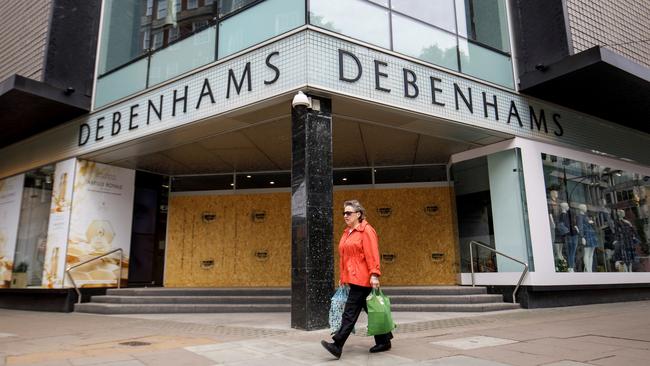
x=312 y=264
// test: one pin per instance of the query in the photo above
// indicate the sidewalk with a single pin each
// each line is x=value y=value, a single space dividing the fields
x=607 y=334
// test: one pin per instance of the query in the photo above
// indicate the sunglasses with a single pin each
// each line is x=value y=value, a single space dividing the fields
x=348 y=213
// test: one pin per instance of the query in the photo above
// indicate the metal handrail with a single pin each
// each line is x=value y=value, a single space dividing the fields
x=119 y=279
x=471 y=265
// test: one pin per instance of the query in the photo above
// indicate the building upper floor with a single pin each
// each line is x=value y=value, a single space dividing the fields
x=575 y=53
x=47 y=64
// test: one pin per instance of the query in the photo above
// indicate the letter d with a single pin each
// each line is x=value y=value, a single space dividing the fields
x=341 y=68
x=84 y=128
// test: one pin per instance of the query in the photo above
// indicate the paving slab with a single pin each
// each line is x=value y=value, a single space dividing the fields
x=462 y=361
x=473 y=342
x=98 y=360
x=176 y=357
x=232 y=355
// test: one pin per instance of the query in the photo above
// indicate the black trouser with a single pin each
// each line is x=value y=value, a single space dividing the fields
x=356 y=302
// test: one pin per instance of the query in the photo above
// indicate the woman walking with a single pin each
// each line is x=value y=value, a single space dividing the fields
x=359 y=268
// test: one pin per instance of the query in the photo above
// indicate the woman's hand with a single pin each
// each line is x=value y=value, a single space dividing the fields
x=374 y=281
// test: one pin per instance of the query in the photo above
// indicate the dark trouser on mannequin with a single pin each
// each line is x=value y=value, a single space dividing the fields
x=356 y=302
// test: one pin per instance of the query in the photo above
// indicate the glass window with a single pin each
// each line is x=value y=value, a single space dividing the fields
x=173 y=34
x=128 y=29
x=599 y=216
x=157 y=40
x=203 y=183
x=380 y=2
x=343 y=16
x=263 y=180
x=228 y=6
x=34 y=221
x=120 y=83
x=162 y=9
x=485 y=21
x=437 y=12
x=183 y=56
x=122 y=33
x=259 y=23
x=146 y=40
x=346 y=177
x=424 y=42
x=199 y=25
x=192 y=4
x=149 y=10
x=411 y=174
x=485 y=64
x=208 y=2
x=491 y=208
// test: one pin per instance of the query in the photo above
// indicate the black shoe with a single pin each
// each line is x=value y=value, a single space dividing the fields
x=333 y=348
x=380 y=347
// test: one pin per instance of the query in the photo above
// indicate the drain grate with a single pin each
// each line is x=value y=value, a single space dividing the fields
x=134 y=343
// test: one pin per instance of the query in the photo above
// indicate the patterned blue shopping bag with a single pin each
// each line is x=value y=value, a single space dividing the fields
x=337 y=307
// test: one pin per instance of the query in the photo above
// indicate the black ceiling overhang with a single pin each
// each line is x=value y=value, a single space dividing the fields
x=597 y=82
x=28 y=107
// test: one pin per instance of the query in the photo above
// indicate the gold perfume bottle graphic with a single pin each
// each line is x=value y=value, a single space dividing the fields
x=54 y=265
x=60 y=197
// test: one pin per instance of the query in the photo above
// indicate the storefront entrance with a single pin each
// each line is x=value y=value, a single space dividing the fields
x=229 y=209
x=243 y=240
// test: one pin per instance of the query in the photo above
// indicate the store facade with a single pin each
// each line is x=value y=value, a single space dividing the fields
x=439 y=156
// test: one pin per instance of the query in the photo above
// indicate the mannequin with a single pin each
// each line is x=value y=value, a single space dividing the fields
x=554 y=216
x=568 y=234
x=589 y=239
x=626 y=242
x=571 y=236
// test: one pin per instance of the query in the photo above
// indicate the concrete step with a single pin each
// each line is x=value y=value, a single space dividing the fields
x=433 y=290
x=445 y=299
x=167 y=291
x=454 y=307
x=98 y=308
x=242 y=300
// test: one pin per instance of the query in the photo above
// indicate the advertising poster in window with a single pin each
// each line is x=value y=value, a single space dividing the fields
x=101 y=220
x=57 y=230
x=11 y=192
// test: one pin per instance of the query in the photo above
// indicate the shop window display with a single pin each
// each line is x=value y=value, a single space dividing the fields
x=598 y=217
x=33 y=228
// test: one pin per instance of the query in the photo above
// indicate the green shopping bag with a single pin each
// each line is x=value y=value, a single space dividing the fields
x=380 y=320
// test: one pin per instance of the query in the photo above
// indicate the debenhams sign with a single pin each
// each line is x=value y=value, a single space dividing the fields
x=446 y=92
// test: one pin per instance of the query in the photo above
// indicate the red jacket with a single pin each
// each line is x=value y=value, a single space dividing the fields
x=359 y=255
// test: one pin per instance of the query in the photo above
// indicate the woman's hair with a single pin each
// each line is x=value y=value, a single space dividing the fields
x=357 y=207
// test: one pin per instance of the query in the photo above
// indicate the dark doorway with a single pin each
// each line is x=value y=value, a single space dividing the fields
x=147 y=259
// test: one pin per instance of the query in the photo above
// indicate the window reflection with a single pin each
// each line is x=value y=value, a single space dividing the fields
x=436 y=12
x=424 y=42
x=598 y=217
x=485 y=21
x=228 y=6
x=134 y=27
x=342 y=16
